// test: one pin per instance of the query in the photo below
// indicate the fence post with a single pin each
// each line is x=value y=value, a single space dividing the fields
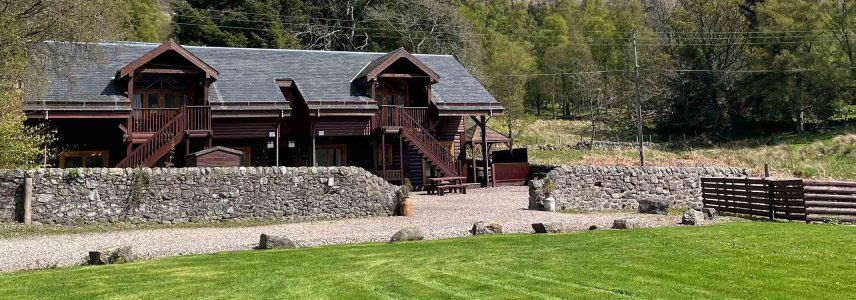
x=771 y=198
x=28 y=200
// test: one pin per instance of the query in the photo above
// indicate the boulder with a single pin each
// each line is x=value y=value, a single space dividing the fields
x=550 y=228
x=709 y=213
x=593 y=227
x=692 y=217
x=654 y=206
x=486 y=227
x=112 y=255
x=409 y=233
x=267 y=241
x=626 y=223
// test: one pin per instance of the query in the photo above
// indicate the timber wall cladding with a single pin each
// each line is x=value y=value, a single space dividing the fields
x=603 y=188
x=160 y=195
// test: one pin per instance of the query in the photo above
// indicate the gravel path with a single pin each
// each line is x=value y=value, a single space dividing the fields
x=440 y=217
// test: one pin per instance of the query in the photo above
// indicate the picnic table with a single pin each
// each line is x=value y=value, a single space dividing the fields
x=440 y=185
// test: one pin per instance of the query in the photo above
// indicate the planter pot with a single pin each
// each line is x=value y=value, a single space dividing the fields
x=406 y=208
x=550 y=203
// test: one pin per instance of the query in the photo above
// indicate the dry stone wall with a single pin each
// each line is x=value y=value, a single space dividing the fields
x=170 y=195
x=591 y=188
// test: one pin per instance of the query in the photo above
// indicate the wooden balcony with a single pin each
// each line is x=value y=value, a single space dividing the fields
x=196 y=121
x=391 y=118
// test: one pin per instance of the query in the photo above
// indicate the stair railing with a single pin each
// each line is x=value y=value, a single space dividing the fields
x=435 y=151
x=144 y=154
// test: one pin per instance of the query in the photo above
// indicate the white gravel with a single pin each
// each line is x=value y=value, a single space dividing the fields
x=440 y=217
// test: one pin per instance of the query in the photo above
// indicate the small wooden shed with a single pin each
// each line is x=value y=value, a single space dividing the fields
x=217 y=156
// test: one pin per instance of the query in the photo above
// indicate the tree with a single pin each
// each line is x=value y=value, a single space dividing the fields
x=252 y=23
x=26 y=25
x=792 y=94
x=147 y=22
x=509 y=62
x=712 y=38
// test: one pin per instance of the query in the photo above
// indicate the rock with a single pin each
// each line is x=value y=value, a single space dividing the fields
x=486 y=227
x=692 y=217
x=593 y=227
x=709 y=213
x=409 y=233
x=626 y=223
x=550 y=228
x=267 y=241
x=112 y=255
x=654 y=206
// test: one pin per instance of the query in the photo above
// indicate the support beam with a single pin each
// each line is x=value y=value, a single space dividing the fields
x=277 y=142
x=485 y=156
x=401 y=157
x=312 y=132
x=383 y=155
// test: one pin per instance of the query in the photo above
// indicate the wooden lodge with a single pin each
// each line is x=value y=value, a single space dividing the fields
x=398 y=114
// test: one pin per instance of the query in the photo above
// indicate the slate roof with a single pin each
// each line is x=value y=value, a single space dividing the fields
x=493 y=136
x=247 y=78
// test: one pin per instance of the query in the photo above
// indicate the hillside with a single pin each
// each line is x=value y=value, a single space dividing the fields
x=811 y=155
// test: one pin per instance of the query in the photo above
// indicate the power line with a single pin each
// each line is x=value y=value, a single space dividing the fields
x=281 y=17
x=823 y=34
x=549 y=43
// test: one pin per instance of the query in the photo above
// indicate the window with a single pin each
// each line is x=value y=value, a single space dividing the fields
x=246 y=156
x=83 y=159
x=331 y=155
x=160 y=99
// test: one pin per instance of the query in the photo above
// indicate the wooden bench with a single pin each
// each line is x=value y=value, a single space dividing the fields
x=453 y=187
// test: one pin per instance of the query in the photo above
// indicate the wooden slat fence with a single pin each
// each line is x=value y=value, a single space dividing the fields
x=830 y=200
x=808 y=200
x=787 y=199
x=750 y=196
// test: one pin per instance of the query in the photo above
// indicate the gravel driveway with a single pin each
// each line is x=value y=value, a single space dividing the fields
x=440 y=217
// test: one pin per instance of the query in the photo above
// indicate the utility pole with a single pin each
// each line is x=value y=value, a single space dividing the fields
x=640 y=139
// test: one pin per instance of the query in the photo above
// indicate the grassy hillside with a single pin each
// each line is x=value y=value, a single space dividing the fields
x=810 y=155
x=736 y=260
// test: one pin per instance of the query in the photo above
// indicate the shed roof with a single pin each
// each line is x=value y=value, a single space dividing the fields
x=474 y=136
x=86 y=78
x=217 y=148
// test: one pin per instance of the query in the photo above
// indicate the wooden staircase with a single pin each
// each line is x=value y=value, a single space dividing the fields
x=419 y=137
x=159 y=144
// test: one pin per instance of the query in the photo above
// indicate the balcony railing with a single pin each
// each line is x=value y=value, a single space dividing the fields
x=151 y=119
x=391 y=115
x=197 y=118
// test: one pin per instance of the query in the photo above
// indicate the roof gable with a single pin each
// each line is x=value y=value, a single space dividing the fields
x=162 y=49
x=378 y=65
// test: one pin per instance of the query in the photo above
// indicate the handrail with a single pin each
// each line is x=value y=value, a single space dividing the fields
x=156 y=144
x=425 y=141
x=151 y=119
x=197 y=118
x=417 y=113
x=390 y=115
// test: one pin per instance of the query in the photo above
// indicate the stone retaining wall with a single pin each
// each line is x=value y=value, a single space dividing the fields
x=597 y=145
x=604 y=188
x=85 y=196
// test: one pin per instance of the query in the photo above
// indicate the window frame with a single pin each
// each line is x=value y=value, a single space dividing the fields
x=83 y=154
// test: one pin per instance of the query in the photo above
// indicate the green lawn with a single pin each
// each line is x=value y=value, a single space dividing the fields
x=742 y=260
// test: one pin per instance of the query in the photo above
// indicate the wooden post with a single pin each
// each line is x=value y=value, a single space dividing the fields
x=383 y=155
x=483 y=125
x=28 y=200
x=771 y=199
x=401 y=157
